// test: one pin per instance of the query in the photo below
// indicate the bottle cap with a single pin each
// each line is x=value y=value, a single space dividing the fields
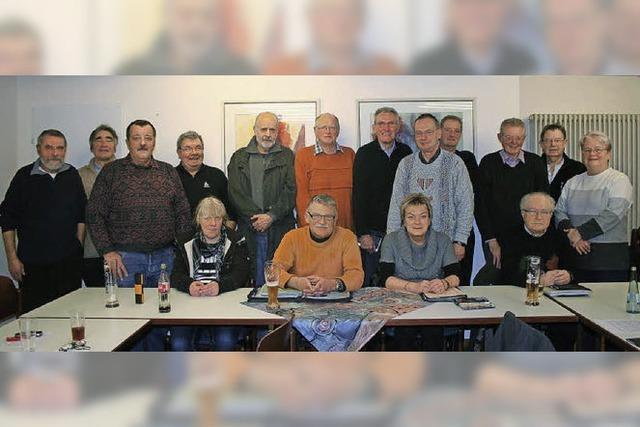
x=163 y=266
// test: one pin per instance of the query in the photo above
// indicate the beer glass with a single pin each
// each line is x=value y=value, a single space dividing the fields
x=271 y=275
x=533 y=281
x=77 y=321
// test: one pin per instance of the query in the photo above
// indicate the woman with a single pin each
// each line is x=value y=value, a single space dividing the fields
x=416 y=258
x=593 y=212
x=214 y=261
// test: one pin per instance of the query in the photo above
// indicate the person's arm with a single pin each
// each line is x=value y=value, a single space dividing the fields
x=81 y=209
x=541 y=179
x=400 y=190
x=180 y=278
x=352 y=273
x=16 y=268
x=463 y=203
x=287 y=195
x=302 y=187
x=224 y=198
x=484 y=188
x=181 y=208
x=97 y=212
x=80 y=233
x=359 y=196
x=239 y=273
x=285 y=258
x=11 y=213
x=397 y=284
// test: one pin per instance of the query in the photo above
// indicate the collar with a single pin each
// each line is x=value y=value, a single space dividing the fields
x=38 y=170
x=318 y=148
x=320 y=241
x=531 y=233
x=389 y=150
x=96 y=167
x=433 y=159
x=252 y=147
x=153 y=164
x=510 y=160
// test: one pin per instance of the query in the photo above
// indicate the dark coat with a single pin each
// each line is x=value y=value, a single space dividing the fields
x=515 y=335
x=569 y=169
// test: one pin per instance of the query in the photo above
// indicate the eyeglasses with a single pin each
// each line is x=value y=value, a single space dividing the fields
x=597 y=150
x=192 y=149
x=511 y=138
x=549 y=141
x=427 y=133
x=327 y=128
x=536 y=212
x=318 y=217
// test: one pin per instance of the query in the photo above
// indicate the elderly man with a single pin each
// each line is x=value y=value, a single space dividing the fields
x=451 y=127
x=441 y=176
x=560 y=168
x=374 y=169
x=321 y=257
x=199 y=180
x=137 y=209
x=325 y=168
x=535 y=237
x=44 y=208
x=503 y=178
x=103 y=141
x=262 y=191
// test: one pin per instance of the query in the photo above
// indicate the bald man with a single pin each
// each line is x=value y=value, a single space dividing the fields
x=262 y=190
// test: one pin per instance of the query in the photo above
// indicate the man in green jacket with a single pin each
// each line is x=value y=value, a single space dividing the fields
x=262 y=190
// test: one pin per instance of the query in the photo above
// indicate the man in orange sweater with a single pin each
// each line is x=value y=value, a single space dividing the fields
x=321 y=257
x=325 y=168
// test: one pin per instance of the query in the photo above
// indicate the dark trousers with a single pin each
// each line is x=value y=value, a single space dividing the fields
x=466 y=264
x=93 y=272
x=45 y=283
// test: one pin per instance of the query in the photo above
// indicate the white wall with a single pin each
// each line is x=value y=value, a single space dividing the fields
x=8 y=111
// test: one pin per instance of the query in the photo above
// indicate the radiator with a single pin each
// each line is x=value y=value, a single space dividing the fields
x=623 y=131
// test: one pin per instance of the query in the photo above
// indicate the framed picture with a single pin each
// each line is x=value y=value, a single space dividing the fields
x=409 y=110
x=295 y=127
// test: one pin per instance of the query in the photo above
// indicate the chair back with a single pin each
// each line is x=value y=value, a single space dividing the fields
x=9 y=299
x=278 y=340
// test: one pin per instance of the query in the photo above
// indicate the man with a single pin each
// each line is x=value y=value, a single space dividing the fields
x=503 y=178
x=199 y=180
x=535 y=237
x=440 y=175
x=322 y=256
x=262 y=191
x=560 y=168
x=374 y=169
x=44 y=208
x=103 y=141
x=137 y=209
x=325 y=168
x=451 y=135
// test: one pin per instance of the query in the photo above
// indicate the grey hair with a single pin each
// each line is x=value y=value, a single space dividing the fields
x=191 y=134
x=324 y=199
x=512 y=122
x=333 y=116
x=102 y=127
x=601 y=137
x=255 y=123
x=388 y=110
x=51 y=132
x=526 y=197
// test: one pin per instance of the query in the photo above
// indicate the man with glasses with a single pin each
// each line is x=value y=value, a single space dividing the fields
x=443 y=178
x=326 y=168
x=374 y=170
x=199 y=180
x=503 y=178
x=321 y=257
x=560 y=168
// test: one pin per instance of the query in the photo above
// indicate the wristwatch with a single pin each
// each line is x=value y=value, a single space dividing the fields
x=340 y=286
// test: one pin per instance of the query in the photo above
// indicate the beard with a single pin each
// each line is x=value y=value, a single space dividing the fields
x=52 y=164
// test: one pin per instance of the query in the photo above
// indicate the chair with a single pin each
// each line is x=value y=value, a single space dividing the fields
x=515 y=335
x=9 y=299
x=280 y=339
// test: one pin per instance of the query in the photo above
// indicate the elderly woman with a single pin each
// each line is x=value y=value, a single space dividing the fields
x=417 y=258
x=593 y=212
x=214 y=261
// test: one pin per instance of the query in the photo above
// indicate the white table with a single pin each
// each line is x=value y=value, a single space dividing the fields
x=100 y=334
x=606 y=304
x=505 y=298
x=224 y=309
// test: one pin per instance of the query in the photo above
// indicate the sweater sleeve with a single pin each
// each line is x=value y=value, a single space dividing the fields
x=302 y=185
x=618 y=205
x=463 y=195
x=182 y=210
x=400 y=183
x=98 y=211
x=352 y=275
x=285 y=258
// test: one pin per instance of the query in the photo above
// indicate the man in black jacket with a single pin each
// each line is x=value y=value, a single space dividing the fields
x=374 y=170
x=560 y=168
x=44 y=208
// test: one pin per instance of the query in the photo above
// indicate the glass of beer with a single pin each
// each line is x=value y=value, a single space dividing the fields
x=77 y=321
x=27 y=333
x=271 y=276
x=533 y=281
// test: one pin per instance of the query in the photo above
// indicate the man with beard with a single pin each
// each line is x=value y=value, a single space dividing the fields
x=44 y=208
x=262 y=190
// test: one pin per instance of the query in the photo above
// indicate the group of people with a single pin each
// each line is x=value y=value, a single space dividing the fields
x=332 y=219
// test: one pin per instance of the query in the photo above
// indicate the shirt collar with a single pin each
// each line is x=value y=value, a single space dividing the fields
x=531 y=233
x=387 y=151
x=433 y=159
x=318 y=148
x=510 y=160
x=37 y=168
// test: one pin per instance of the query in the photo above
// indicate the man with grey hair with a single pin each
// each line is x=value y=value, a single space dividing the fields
x=199 y=180
x=374 y=169
x=103 y=141
x=321 y=257
x=535 y=237
x=44 y=208
x=262 y=191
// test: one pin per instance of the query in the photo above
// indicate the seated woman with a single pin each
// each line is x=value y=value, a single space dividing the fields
x=213 y=261
x=417 y=258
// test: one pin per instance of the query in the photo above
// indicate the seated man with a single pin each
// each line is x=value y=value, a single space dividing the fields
x=534 y=238
x=320 y=257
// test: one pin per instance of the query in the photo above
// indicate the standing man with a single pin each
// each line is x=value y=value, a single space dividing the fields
x=262 y=190
x=560 y=168
x=326 y=168
x=443 y=178
x=504 y=177
x=44 y=208
x=137 y=209
x=199 y=180
x=374 y=170
x=451 y=133
x=102 y=143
